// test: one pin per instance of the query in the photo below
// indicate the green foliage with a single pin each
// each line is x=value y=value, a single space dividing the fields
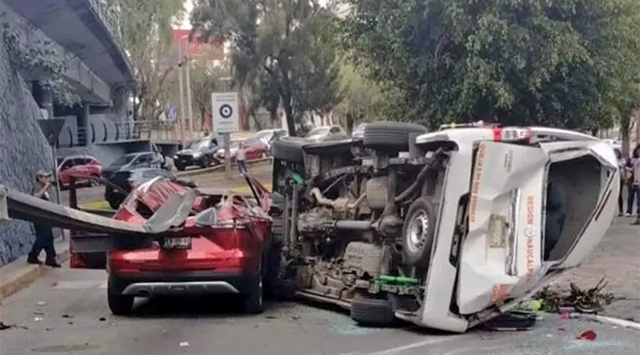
x=40 y=58
x=281 y=51
x=205 y=80
x=147 y=34
x=517 y=62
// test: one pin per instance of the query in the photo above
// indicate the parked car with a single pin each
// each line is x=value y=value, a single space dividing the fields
x=464 y=227
x=255 y=149
x=129 y=162
x=199 y=153
x=84 y=168
x=269 y=135
x=327 y=133
x=122 y=182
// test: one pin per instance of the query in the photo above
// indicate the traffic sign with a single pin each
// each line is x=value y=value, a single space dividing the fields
x=171 y=113
x=224 y=108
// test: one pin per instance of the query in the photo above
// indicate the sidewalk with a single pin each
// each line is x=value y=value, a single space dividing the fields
x=617 y=260
x=18 y=274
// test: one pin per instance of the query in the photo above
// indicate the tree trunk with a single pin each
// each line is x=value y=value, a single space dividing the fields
x=291 y=122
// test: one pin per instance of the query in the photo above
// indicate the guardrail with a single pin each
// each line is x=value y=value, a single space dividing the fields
x=220 y=168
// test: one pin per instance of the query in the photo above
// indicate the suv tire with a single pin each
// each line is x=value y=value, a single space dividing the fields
x=119 y=304
x=254 y=301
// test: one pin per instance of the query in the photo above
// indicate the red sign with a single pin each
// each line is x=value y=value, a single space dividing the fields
x=195 y=46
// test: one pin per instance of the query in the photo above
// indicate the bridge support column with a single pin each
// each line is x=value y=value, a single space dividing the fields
x=82 y=120
x=43 y=96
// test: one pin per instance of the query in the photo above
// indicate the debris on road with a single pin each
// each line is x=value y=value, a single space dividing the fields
x=575 y=299
x=589 y=335
x=4 y=326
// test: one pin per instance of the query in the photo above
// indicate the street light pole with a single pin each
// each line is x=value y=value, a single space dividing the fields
x=189 y=102
x=182 y=110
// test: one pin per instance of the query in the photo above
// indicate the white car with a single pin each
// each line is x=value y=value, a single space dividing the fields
x=268 y=135
x=326 y=133
x=518 y=207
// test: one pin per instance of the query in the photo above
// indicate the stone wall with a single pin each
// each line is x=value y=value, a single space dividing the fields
x=23 y=151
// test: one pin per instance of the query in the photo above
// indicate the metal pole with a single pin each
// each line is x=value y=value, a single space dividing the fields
x=227 y=156
x=189 y=102
x=182 y=110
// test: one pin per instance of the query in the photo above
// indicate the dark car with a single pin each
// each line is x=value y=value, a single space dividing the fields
x=126 y=180
x=199 y=153
x=129 y=162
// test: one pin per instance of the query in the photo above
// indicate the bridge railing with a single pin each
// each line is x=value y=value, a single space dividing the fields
x=109 y=132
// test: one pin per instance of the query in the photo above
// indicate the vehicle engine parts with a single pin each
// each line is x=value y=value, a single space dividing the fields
x=376 y=191
x=363 y=258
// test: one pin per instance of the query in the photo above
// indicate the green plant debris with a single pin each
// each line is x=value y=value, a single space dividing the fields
x=590 y=300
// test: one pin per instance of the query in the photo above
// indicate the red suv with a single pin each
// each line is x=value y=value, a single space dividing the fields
x=81 y=167
x=207 y=242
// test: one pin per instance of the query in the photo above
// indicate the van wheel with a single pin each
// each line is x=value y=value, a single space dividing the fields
x=254 y=301
x=390 y=136
x=119 y=304
x=179 y=167
x=418 y=232
x=372 y=312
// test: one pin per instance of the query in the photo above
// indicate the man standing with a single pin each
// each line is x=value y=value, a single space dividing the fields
x=241 y=158
x=634 y=187
x=44 y=234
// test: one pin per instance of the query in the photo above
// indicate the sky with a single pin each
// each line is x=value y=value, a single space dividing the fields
x=188 y=6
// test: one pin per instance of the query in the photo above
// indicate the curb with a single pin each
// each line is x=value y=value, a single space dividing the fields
x=18 y=274
x=220 y=167
x=609 y=320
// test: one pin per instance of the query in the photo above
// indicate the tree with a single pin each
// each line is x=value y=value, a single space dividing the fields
x=362 y=99
x=147 y=33
x=279 y=46
x=516 y=62
x=205 y=80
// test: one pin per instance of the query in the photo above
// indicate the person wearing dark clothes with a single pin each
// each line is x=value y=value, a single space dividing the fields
x=633 y=182
x=622 y=163
x=44 y=234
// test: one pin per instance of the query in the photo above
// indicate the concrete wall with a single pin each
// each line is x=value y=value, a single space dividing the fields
x=23 y=151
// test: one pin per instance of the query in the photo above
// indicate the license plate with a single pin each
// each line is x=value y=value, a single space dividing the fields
x=176 y=243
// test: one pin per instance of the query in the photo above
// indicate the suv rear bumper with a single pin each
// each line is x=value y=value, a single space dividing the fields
x=147 y=284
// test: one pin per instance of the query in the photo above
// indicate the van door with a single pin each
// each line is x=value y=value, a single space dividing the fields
x=587 y=173
x=502 y=251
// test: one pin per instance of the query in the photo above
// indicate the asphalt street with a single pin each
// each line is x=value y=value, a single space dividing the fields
x=65 y=312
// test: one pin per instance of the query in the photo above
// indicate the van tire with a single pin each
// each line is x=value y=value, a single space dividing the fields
x=390 y=136
x=416 y=249
x=288 y=150
x=372 y=312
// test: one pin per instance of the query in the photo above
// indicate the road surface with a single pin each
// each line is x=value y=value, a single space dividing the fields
x=65 y=312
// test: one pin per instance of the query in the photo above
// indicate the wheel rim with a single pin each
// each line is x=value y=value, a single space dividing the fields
x=418 y=231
